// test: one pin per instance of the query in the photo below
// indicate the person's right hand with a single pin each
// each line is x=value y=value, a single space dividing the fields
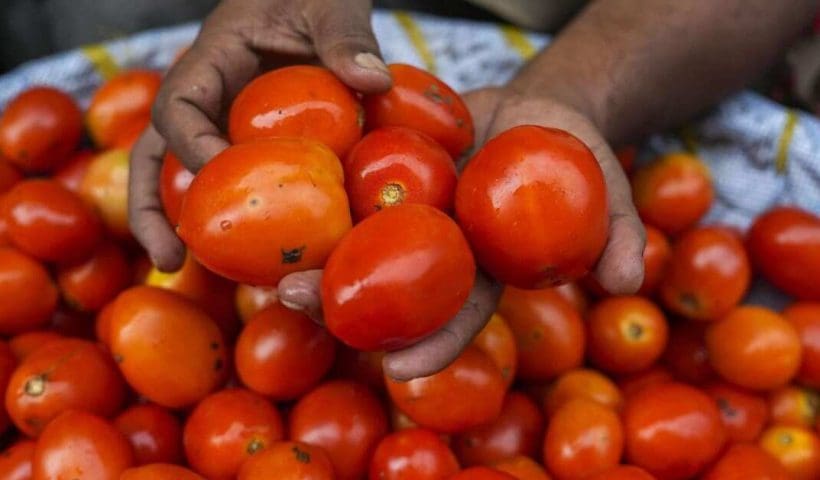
x=239 y=40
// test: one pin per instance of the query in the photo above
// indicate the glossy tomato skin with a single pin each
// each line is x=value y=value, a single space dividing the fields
x=105 y=189
x=160 y=471
x=582 y=383
x=289 y=461
x=468 y=393
x=514 y=203
x=686 y=355
x=482 y=473
x=174 y=180
x=259 y=211
x=39 y=129
x=497 y=340
x=368 y=306
x=9 y=175
x=122 y=105
x=76 y=442
x=297 y=101
x=796 y=448
x=345 y=419
x=71 y=173
x=522 y=468
x=421 y=101
x=154 y=433
x=805 y=317
x=28 y=296
x=249 y=299
x=412 y=453
x=746 y=461
x=623 y=472
x=784 y=244
x=743 y=413
x=88 y=285
x=395 y=165
x=575 y=295
x=656 y=255
x=793 y=405
x=15 y=461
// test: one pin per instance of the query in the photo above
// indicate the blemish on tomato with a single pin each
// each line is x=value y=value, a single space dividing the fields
x=36 y=385
x=293 y=255
x=225 y=225
x=301 y=455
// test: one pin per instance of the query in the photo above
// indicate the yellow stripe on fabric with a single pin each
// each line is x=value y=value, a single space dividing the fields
x=411 y=28
x=103 y=62
x=689 y=139
x=518 y=40
x=782 y=159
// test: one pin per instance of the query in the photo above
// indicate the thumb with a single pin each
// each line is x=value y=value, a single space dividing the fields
x=300 y=291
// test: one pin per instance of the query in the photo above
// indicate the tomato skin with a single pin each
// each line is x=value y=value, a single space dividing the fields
x=39 y=129
x=635 y=382
x=345 y=419
x=522 y=468
x=496 y=339
x=686 y=354
x=90 y=284
x=71 y=173
x=656 y=256
x=297 y=101
x=796 y=448
x=28 y=296
x=482 y=473
x=805 y=317
x=8 y=363
x=368 y=306
x=363 y=367
x=23 y=344
x=282 y=353
x=168 y=349
x=15 y=461
x=9 y=175
x=514 y=203
x=77 y=441
x=793 y=405
x=468 y=393
x=743 y=413
x=395 y=165
x=575 y=295
x=159 y=471
x=241 y=224
x=413 y=453
x=290 y=461
x=745 y=461
x=105 y=189
x=784 y=244
x=582 y=383
x=174 y=180
x=249 y=299
x=623 y=472
x=707 y=275
x=421 y=101
x=122 y=105
x=154 y=433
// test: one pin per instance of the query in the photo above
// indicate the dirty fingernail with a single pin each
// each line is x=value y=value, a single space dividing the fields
x=371 y=62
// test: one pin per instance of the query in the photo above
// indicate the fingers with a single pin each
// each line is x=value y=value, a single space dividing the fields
x=301 y=291
x=146 y=216
x=482 y=105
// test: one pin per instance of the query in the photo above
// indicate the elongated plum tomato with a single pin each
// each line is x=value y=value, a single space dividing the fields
x=28 y=296
x=122 y=106
x=297 y=101
x=382 y=286
x=395 y=165
x=261 y=210
x=533 y=205
x=174 y=180
x=105 y=187
x=160 y=471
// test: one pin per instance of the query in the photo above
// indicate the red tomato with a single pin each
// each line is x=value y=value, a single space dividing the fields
x=9 y=175
x=289 y=461
x=744 y=414
x=80 y=442
x=656 y=256
x=282 y=353
x=532 y=202
x=582 y=383
x=346 y=420
x=363 y=367
x=686 y=354
x=15 y=461
x=25 y=343
x=481 y=473
x=497 y=340
x=154 y=433
x=468 y=393
x=575 y=295
x=39 y=128
x=382 y=285
x=784 y=244
x=792 y=405
x=413 y=453
x=522 y=468
x=796 y=448
x=395 y=165
x=102 y=325
x=672 y=430
x=122 y=104
x=174 y=180
x=297 y=101
x=259 y=211
x=71 y=323
x=105 y=188
x=71 y=173
x=805 y=317
x=745 y=462
x=90 y=284
x=159 y=471
x=250 y=299
x=8 y=363
x=28 y=296
x=623 y=472
x=634 y=383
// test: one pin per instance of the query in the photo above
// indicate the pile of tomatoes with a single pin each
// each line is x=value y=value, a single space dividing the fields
x=114 y=369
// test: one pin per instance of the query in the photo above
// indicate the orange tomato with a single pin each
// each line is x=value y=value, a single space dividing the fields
x=289 y=461
x=796 y=448
x=805 y=317
x=497 y=340
x=522 y=468
x=28 y=296
x=122 y=104
x=656 y=256
x=250 y=299
x=792 y=405
x=105 y=188
x=686 y=355
x=15 y=461
x=745 y=461
x=90 y=284
x=413 y=453
x=102 y=324
x=744 y=413
x=174 y=180
x=159 y=471
x=582 y=383
x=154 y=433
x=25 y=343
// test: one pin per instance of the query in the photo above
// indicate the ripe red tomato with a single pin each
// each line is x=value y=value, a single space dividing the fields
x=159 y=471
x=105 y=188
x=656 y=256
x=784 y=244
x=481 y=473
x=8 y=363
x=744 y=414
x=672 y=430
x=707 y=275
x=297 y=101
x=122 y=104
x=582 y=383
x=805 y=317
x=497 y=340
x=575 y=295
x=522 y=468
x=634 y=383
x=623 y=472
x=549 y=332
x=102 y=325
x=745 y=461
x=382 y=285
x=169 y=350
x=468 y=393
x=346 y=420
x=71 y=323
x=174 y=180
x=77 y=441
x=395 y=165
x=154 y=433
x=793 y=405
x=39 y=129
x=282 y=353
x=288 y=461
x=686 y=355
x=90 y=284
x=71 y=173
x=25 y=343
x=28 y=296
x=362 y=367
x=796 y=448
x=250 y=299
x=754 y=347
x=421 y=101
x=259 y=211
x=626 y=157
x=9 y=175
x=15 y=461
x=412 y=453
x=532 y=202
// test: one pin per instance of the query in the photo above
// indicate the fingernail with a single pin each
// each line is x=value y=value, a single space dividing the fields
x=371 y=62
x=292 y=305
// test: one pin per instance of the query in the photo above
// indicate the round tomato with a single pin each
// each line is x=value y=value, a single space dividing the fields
x=395 y=165
x=686 y=354
x=8 y=363
x=154 y=433
x=174 y=180
x=102 y=325
x=744 y=461
x=496 y=339
x=634 y=383
x=656 y=256
x=9 y=175
x=623 y=472
x=797 y=449
x=626 y=157
x=39 y=129
x=71 y=173
x=288 y=461
x=159 y=471
x=122 y=104
x=575 y=295
x=261 y=210
x=582 y=383
x=105 y=188
x=25 y=343
x=805 y=317
x=15 y=461
x=250 y=299
x=90 y=284
x=297 y=101
x=28 y=296
x=382 y=285
x=481 y=473
x=792 y=405
x=71 y=323
x=744 y=414
x=522 y=468
x=412 y=453
x=363 y=367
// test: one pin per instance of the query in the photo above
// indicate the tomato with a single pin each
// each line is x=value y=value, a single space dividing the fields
x=346 y=420
x=288 y=461
x=496 y=339
x=481 y=473
x=744 y=414
x=582 y=383
x=634 y=383
x=71 y=323
x=226 y=428
x=623 y=472
x=395 y=165
x=518 y=430
x=363 y=367
x=784 y=244
x=532 y=202
x=9 y=175
x=249 y=299
x=141 y=265
x=707 y=275
x=656 y=256
x=626 y=157
x=102 y=324
x=413 y=453
x=174 y=180
x=15 y=461
x=71 y=173
x=90 y=284
x=792 y=405
x=672 y=430
x=575 y=295
x=8 y=363
x=522 y=468
x=805 y=317
x=673 y=192
x=28 y=296
x=686 y=354
x=754 y=347
x=744 y=461
x=122 y=104
x=159 y=471
x=297 y=101
x=39 y=128
x=105 y=188
x=5 y=241
x=548 y=331
x=797 y=449
x=382 y=285
x=259 y=211
x=154 y=433
x=79 y=443
x=25 y=343
x=169 y=350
